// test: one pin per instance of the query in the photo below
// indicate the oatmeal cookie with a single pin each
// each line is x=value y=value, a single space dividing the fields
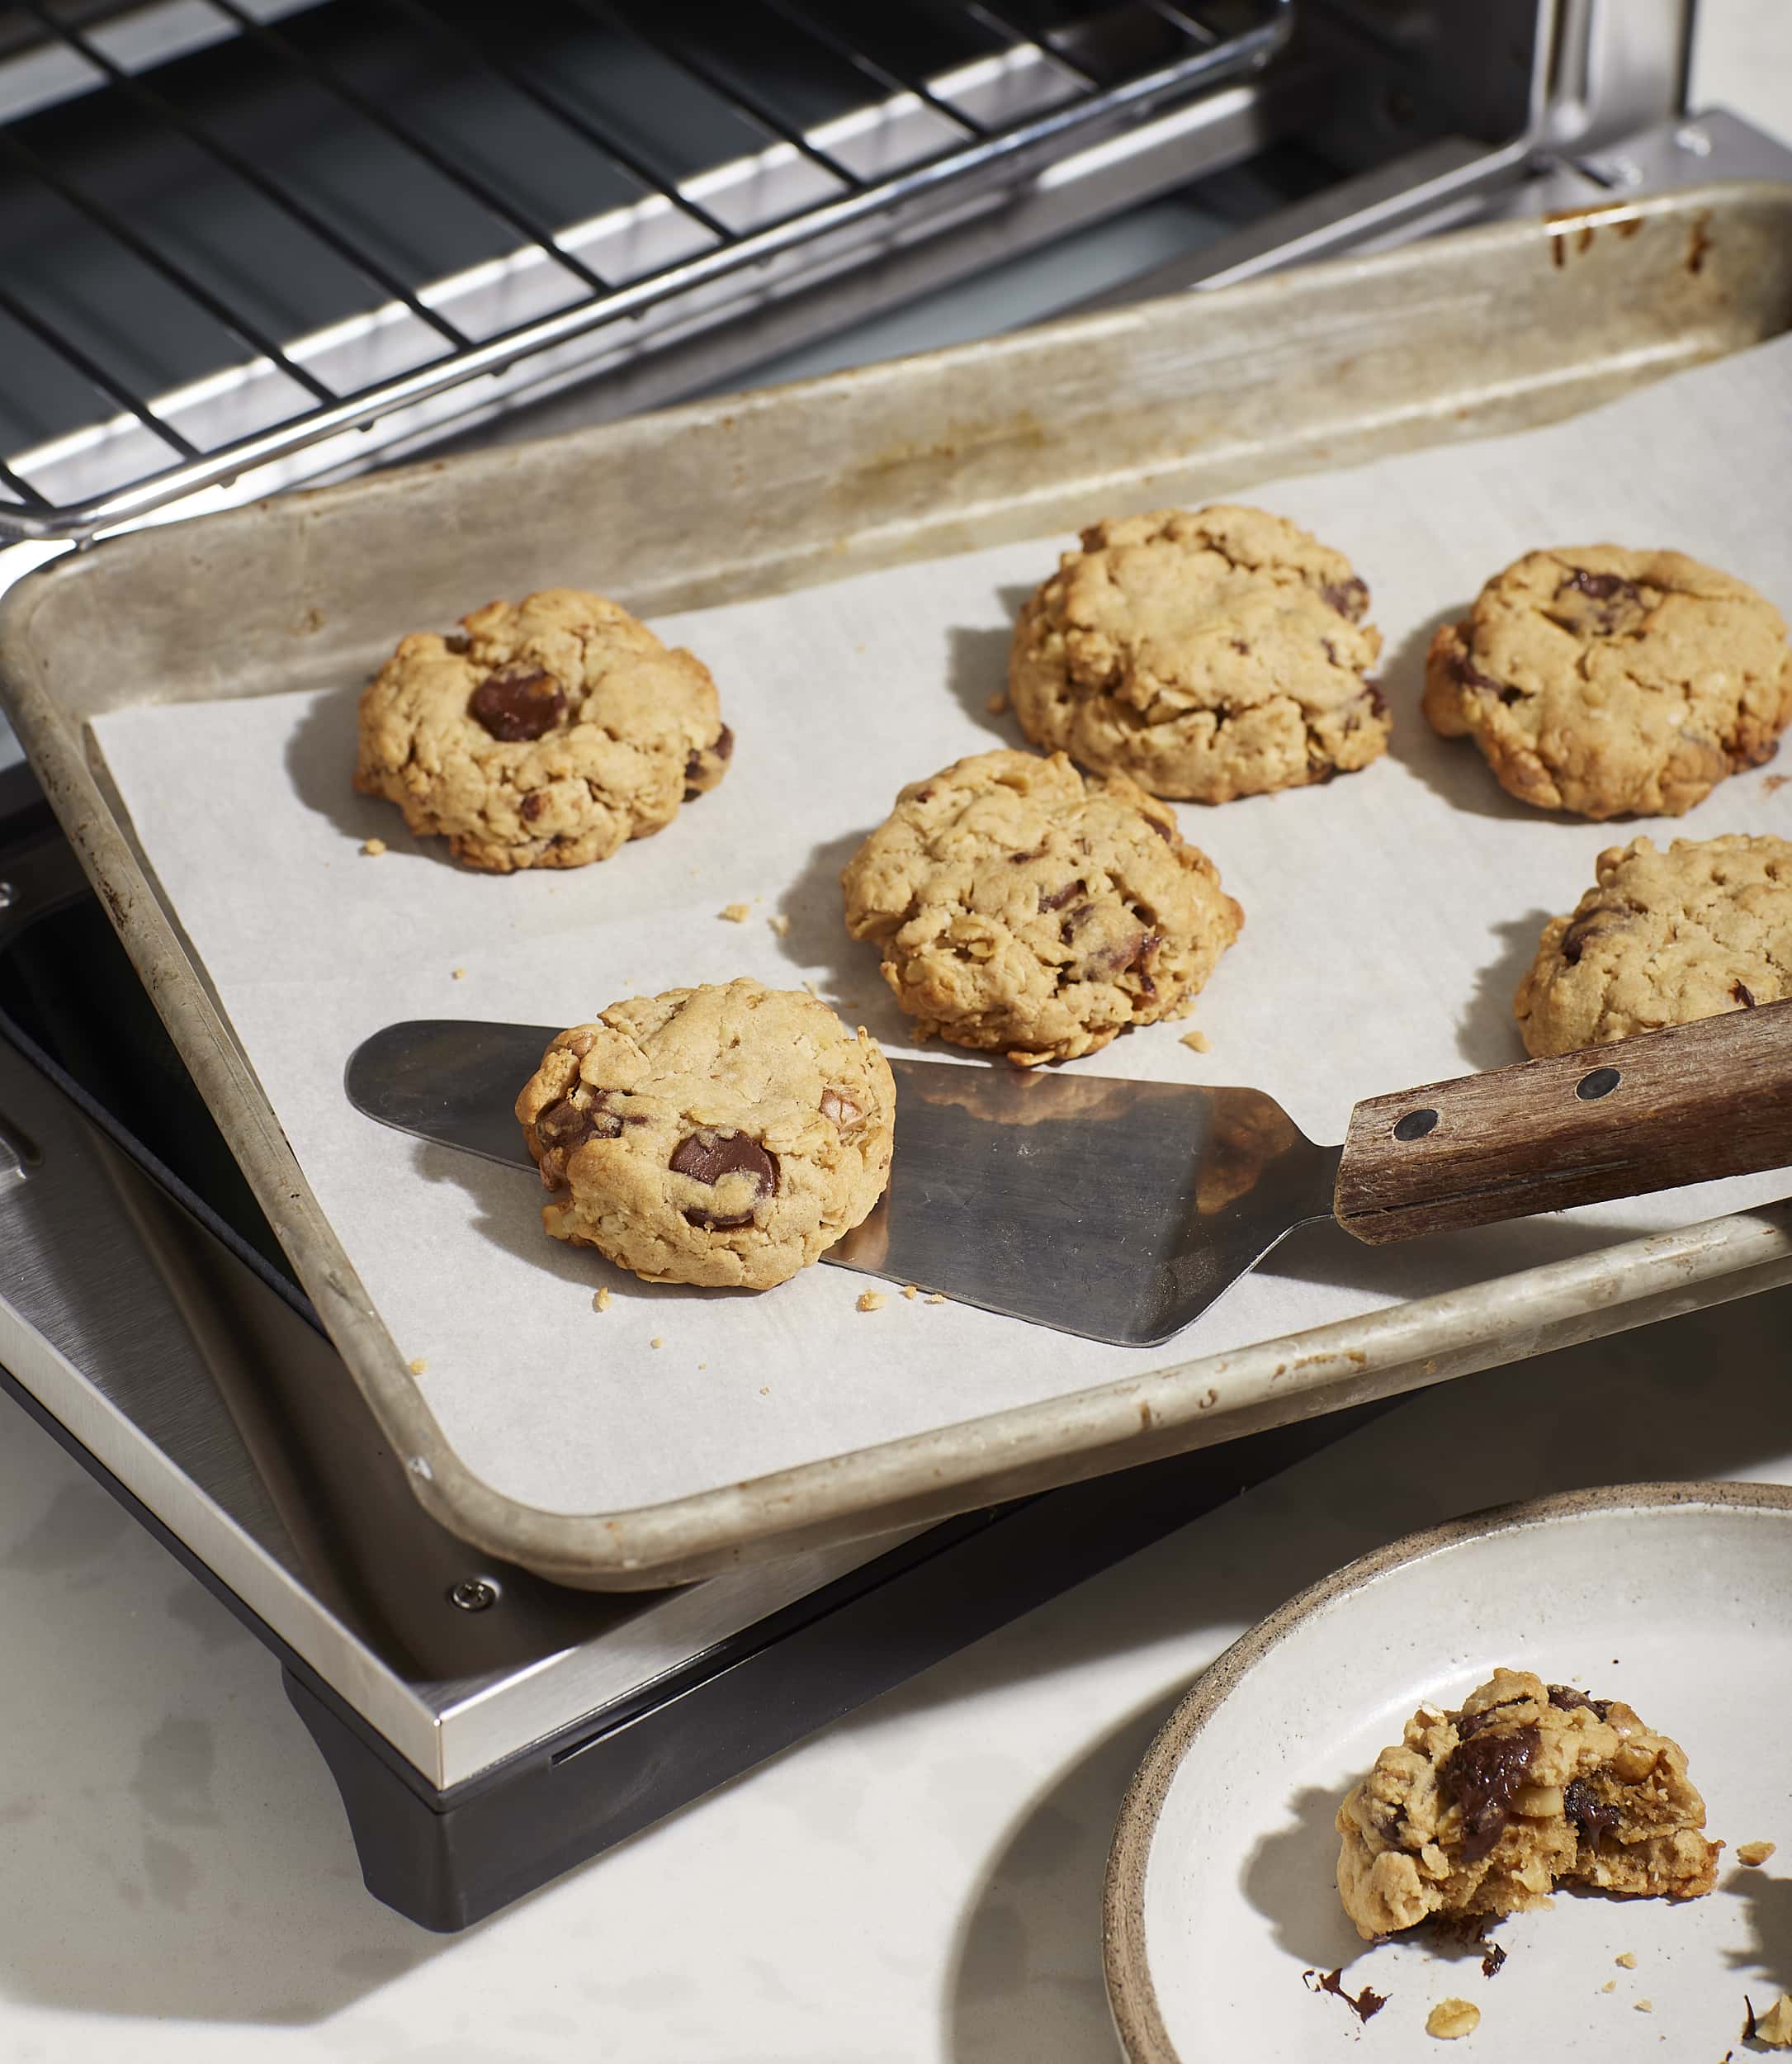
x=1662 y=939
x=1528 y=1788
x=545 y=733
x=1020 y=908
x=1613 y=682
x=1208 y=655
x=726 y=1135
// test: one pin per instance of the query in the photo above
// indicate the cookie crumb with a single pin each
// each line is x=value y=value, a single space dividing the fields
x=373 y=848
x=418 y=1366
x=871 y=1301
x=780 y=923
x=601 y=1302
x=656 y=1342
x=1774 y=2028
x=997 y=704
x=911 y=1291
x=1645 y=2006
x=735 y=913
x=1754 y=1853
x=1197 y=1042
x=460 y=974
x=765 y=1388
x=937 y=1297
x=1774 y=784
x=1627 y=1960
x=1451 y=2018
x=1609 y=1985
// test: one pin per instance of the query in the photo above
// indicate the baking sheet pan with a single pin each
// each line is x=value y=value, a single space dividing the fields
x=210 y=795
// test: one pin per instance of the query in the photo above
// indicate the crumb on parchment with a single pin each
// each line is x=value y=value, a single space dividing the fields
x=911 y=1291
x=780 y=923
x=656 y=1342
x=735 y=913
x=418 y=1366
x=1774 y=2028
x=601 y=1302
x=373 y=848
x=935 y=1297
x=460 y=974
x=871 y=1301
x=1753 y=1852
x=1609 y=1985
x=1451 y=2018
x=1197 y=1042
x=1645 y=2006
x=1627 y=1959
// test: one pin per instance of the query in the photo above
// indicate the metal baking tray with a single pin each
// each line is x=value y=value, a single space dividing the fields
x=1491 y=330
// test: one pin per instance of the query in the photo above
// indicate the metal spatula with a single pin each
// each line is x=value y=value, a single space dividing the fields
x=1120 y=1210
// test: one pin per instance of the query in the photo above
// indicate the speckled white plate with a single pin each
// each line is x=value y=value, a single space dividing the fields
x=1220 y=1893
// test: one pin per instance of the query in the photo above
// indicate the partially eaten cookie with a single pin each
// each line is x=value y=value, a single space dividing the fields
x=1528 y=1788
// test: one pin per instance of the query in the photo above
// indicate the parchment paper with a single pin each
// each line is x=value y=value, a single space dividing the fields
x=1389 y=916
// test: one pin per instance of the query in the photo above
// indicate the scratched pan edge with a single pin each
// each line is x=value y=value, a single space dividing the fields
x=1220 y=1889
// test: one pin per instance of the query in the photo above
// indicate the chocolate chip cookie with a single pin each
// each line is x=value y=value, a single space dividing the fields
x=726 y=1135
x=1662 y=939
x=1613 y=682
x=1208 y=655
x=1528 y=1788
x=545 y=733
x=1020 y=908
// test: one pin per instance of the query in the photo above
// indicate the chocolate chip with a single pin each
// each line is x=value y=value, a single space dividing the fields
x=517 y=703
x=1480 y=1777
x=1060 y=897
x=707 y=1156
x=1743 y=995
x=1595 y=1821
x=1238 y=645
x=1491 y=1957
x=1587 y=928
x=533 y=804
x=1376 y=700
x=839 y=1110
x=1600 y=587
x=1319 y=772
x=565 y=1124
x=1471 y=676
x=1167 y=832
x=457 y=642
x=1349 y=598
x=1332 y=652
x=1567 y=1700
x=722 y=746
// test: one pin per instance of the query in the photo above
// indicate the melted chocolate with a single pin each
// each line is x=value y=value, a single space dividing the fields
x=1580 y=1806
x=517 y=703
x=1481 y=1776
x=706 y=1156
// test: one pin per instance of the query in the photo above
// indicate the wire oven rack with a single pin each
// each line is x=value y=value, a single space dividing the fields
x=872 y=149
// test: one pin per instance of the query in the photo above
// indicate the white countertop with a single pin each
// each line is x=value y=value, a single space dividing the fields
x=922 y=1882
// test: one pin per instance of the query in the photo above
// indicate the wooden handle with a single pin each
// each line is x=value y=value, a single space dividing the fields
x=1687 y=1105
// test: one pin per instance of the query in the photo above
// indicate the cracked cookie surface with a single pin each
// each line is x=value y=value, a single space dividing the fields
x=1020 y=908
x=726 y=1135
x=1662 y=939
x=1612 y=682
x=1529 y=1787
x=545 y=733
x=1209 y=654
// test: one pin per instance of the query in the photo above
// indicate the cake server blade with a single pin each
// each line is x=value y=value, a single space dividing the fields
x=1119 y=1211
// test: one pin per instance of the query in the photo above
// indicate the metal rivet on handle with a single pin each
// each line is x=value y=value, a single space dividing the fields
x=1601 y=1082
x=1416 y=1124
x=473 y=1594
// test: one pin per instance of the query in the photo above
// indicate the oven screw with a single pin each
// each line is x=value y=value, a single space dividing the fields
x=473 y=1594
x=1691 y=137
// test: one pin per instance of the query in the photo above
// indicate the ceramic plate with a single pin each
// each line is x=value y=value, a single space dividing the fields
x=1221 y=1892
